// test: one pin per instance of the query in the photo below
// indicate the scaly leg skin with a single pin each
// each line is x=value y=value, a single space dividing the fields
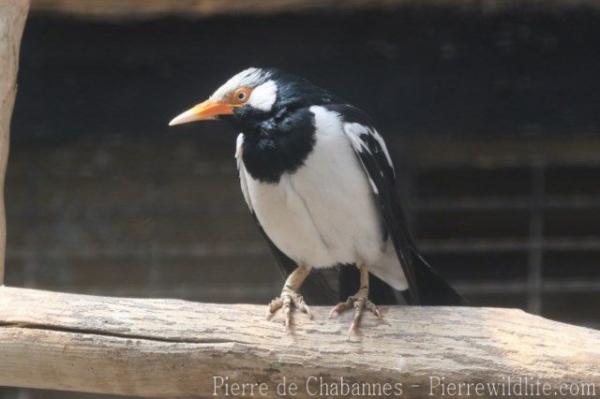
x=359 y=301
x=290 y=298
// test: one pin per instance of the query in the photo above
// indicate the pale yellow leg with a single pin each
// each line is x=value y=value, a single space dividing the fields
x=290 y=298
x=359 y=301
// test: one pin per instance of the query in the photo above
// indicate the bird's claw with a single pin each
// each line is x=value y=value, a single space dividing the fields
x=286 y=301
x=359 y=303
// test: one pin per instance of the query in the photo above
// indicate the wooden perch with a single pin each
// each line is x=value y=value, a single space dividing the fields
x=162 y=347
x=12 y=22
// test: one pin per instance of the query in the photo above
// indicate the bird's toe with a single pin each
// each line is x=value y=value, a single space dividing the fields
x=274 y=306
x=360 y=304
x=287 y=301
x=341 y=307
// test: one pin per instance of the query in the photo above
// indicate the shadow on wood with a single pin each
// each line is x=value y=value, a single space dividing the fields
x=164 y=347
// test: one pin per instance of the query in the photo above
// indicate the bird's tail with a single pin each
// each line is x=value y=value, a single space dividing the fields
x=433 y=289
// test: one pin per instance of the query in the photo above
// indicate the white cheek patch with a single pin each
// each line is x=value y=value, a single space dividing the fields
x=263 y=97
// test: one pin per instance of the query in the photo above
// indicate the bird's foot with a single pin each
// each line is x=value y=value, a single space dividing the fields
x=288 y=300
x=359 y=302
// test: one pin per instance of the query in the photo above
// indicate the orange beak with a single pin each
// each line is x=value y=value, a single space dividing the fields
x=202 y=112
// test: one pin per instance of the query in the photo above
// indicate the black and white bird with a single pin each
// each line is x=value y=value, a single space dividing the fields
x=321 y=185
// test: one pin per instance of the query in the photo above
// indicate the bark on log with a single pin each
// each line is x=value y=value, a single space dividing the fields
x=12 y=21
x=160 y=347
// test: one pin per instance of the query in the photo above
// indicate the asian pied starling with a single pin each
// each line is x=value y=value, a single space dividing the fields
x=320 y=183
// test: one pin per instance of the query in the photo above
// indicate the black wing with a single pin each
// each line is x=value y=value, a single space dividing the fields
x=315 y=287
x=425 y=285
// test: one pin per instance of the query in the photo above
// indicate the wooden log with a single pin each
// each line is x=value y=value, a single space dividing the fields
x=12 y=21
x=204 y=8
x=161 y=347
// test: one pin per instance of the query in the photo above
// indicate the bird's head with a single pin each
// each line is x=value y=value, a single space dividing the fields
x=255 y=95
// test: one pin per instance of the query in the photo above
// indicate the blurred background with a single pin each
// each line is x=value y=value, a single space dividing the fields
x=491 y=109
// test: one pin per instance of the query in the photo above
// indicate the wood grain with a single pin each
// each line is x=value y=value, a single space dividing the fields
x=163 y=347
x=12 y=21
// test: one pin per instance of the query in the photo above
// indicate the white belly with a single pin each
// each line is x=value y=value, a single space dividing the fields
x=324 y=213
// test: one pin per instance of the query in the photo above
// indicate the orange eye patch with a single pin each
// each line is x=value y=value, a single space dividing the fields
x=240 y=95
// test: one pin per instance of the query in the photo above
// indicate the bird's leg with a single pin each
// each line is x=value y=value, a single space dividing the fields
x=359 y=301
x=290 y=297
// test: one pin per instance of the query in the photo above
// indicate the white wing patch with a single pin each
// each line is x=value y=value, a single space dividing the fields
x=354 y=130
x=379 y=139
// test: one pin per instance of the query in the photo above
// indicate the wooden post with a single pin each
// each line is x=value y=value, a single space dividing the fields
x=175 y=348
x=12 y=20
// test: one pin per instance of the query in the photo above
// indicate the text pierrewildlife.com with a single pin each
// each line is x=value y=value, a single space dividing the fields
x=437 y=387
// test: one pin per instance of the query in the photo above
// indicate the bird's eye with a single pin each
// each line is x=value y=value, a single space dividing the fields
x=241 y=95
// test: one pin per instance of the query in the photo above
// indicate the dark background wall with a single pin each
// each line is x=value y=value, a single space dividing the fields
x=493 y=118
x=436 y=70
